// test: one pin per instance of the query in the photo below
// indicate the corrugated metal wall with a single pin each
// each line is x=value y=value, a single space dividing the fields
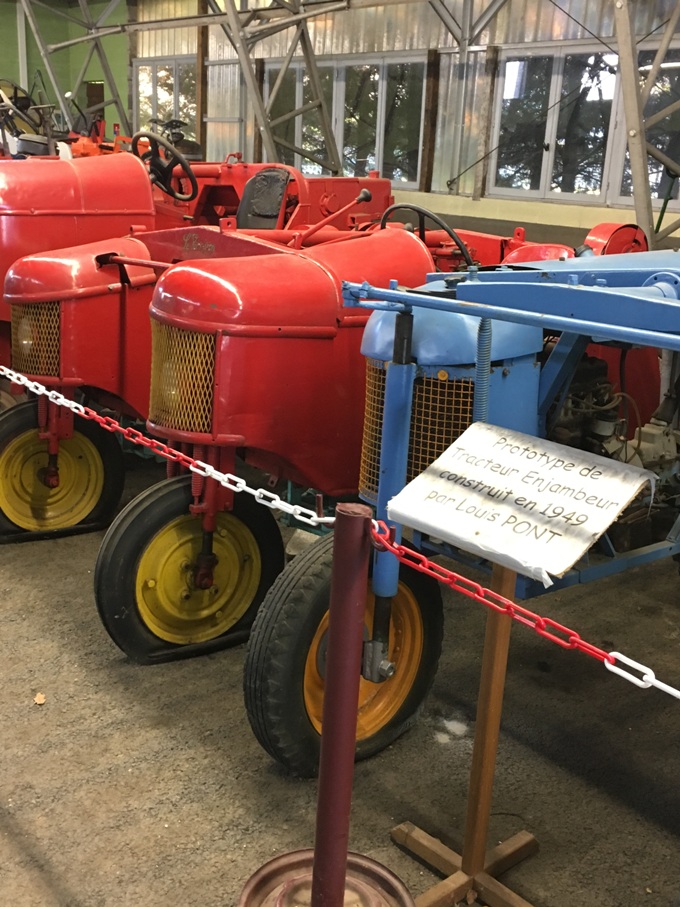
x=411 y=26
x=400 y=28
x=166 y=42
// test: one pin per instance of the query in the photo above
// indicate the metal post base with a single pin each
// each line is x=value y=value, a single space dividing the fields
x=286 y=881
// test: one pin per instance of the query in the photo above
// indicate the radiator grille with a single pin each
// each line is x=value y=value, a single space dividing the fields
x=182 y=378
x=441 y=411
x=35 y=339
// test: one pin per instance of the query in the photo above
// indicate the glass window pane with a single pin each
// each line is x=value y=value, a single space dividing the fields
x=186 y=98
x=282 y=104
x=403 y=112
x=313 y=139
x=165 y=93
x=583 y=124
x=361 y=106
x=664 y=135
x=144 y=96
x=524 y=113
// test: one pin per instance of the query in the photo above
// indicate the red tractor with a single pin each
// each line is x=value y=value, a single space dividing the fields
x=257 y=366
x=48 y=204
x=63 y=477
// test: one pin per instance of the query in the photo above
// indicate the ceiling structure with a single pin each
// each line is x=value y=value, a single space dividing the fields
x=246 y=25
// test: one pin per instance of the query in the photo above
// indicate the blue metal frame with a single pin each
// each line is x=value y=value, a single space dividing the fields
x=625 y=298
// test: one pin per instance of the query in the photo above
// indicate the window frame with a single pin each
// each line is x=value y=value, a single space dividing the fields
x=545 y=193
x=170 y=62
x=339 y=66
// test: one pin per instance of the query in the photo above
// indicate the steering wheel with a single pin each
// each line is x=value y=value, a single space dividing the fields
x=161 y=165
x=17 y=104
x=422 y=214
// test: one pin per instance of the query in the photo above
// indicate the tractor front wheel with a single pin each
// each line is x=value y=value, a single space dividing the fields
x=91 y=473
x=144 y=578
x=284 y=672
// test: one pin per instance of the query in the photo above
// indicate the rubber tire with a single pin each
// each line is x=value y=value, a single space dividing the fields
x=279 y=646
x=122 y=548
x=24 y=418
x=7 y=399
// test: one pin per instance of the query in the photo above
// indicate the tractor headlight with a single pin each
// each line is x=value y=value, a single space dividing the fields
x=25 y=336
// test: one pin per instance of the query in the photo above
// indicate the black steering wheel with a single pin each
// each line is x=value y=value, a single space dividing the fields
x=161 y=165
x=17 y=104
x=422 y=214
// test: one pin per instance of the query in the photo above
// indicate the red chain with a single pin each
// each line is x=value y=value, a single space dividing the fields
x=544 y=626
x=383 y=538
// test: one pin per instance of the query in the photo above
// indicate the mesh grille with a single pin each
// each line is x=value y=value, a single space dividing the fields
x=182 y=378
x=442 y=410
x=370 y=446
x=35 y=339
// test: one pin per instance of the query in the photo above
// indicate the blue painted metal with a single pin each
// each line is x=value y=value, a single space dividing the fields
x=628 y=298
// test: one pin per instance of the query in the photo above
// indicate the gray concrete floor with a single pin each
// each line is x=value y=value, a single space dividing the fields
x=144 y=785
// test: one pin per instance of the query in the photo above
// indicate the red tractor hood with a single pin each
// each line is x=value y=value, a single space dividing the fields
x=110 y=184
x=285 y=291
x=75 y=272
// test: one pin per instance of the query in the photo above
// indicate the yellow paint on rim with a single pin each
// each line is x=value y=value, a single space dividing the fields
x=378 y=702
x=29 y=503
x=169 y=605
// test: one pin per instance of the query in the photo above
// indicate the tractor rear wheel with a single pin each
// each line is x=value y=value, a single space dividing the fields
x=144 y=577
x=91 y=476
x=285 y=662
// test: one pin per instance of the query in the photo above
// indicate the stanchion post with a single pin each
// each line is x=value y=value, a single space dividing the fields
x=351 y=551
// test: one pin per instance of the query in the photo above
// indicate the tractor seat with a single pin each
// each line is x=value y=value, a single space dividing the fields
x=28 y=143
x=261 y=206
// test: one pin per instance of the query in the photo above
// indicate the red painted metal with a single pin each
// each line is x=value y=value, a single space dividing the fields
x=48 y=203
x=289 y=373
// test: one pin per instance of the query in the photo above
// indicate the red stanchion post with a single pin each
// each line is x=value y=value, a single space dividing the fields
x=329 y=875
x=351 y=551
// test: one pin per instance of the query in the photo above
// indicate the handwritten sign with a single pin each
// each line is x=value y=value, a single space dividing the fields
x=520 y=501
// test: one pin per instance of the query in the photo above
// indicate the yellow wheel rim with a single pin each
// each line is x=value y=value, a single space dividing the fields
x=378 y=702
x=29 y=503
x=168 y=603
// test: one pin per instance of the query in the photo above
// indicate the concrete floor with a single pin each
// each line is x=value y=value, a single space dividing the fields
x=144 y=785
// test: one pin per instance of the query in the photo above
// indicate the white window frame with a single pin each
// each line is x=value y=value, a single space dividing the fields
x=338 y=66
x=173 y=62
x=544 y=192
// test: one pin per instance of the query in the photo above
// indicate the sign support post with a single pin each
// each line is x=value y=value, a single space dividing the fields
x=476 y=868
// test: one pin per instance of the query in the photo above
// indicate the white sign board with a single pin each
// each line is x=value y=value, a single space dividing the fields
x=518 y=500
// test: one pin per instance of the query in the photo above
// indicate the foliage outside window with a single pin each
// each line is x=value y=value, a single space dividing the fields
x=376 y=109
x=664 y=135
x=554 y=124
x=166 y=90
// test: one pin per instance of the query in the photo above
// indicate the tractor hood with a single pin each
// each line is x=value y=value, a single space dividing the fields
x=106 y=184
x=285 y=292
x=75 y=272
x=447 y=338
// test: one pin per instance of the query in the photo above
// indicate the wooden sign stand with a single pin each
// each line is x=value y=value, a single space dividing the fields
x=472 y=874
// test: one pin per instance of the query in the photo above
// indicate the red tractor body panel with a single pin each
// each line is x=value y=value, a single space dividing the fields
x=48 y=203
x=103 y=332
x=288 y=381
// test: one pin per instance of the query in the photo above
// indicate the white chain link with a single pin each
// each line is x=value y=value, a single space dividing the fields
x=234 y=483
x=302 y=514
x=648 y=678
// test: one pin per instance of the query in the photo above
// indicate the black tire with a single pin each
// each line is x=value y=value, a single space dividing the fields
x=284 y=641
x=91 y=476
x=146 y=616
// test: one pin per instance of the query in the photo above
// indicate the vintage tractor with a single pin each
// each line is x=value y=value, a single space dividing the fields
x=254 y=360
x=47 y=203
x=426 y=373
x=62 y=476
x=233 y=352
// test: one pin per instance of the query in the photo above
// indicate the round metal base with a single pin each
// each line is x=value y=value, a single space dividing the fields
x=286 y=881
